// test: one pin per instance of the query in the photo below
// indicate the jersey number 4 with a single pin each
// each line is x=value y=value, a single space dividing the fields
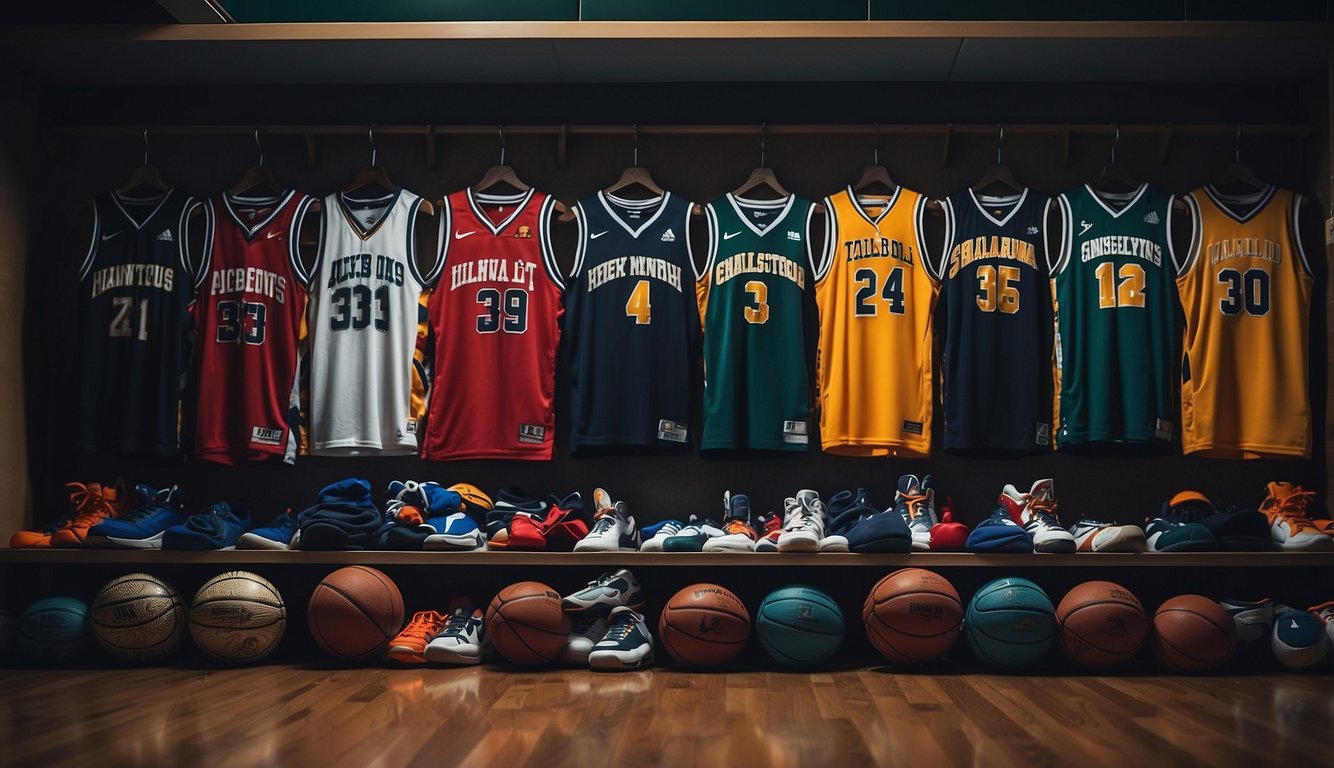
x=892 y=292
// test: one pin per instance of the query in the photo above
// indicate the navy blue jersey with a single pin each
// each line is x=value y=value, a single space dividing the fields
x=134 y=325
x=633 y=325
x=997 y=365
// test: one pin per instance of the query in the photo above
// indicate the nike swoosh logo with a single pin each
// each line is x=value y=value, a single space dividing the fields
x=596 y=235
x=1084 y=227
x=460 y=235
x=272 y=235
x=108 y=237
x=730 y=235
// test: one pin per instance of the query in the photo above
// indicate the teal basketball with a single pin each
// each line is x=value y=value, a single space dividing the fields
x=799 y=626
x=1010 y=623
x=54 y=631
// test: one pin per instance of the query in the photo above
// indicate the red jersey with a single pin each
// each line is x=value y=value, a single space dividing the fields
x=251 y=299
x=495 y=318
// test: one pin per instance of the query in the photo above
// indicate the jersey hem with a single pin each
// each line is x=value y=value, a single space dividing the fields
x=545 y=455
x=1246 y=451
x=875 y=449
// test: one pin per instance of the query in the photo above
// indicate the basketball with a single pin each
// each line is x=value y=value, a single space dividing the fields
x=1010 y=623
x=354 y=613
x=237 y=617
x=704 y=625
x=799 y=626
x=138 y=618
x=1192 y=633
x=1102 y=624
x=54 y=630
x=1299 y=640
x=912 y=616
x=527 y=625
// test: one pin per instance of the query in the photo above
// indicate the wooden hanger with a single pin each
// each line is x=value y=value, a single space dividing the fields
x=1114 y=173
x=762 y=176
x=257 y=176
x=146 y=175
x=999 y=174
x=635 y=175
x=374 y=175
x=1239 y=174
x=504 y=174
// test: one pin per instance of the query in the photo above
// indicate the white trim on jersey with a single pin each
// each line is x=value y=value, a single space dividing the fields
x=889 y=206
x=443 y=238
x=116 y=198
x=690 y=249
x=1067 y=230
x=182 y=252
x=830 y=238
x=660 y=202
x=430 y=277
x=919 y=221
x=276 y=204
x=210 y=230
x=1192 y=255
x=1131 y=197
x=580 y=242
x=781 y=202
x=714 y=241
x=1256 y=202
x=1017 y=201
x=331 y=205
x=91 y=256
x=806 y=233
x=951 y=227
x=1294 y=219
x=519 y=201
x=544 y=242
x=294 y=241
x=414 y=212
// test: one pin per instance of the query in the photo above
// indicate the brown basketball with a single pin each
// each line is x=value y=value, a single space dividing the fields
x=354 y=613
x=704 y=625
x=912 y=616
x=1192 y=633
x=1102 y=624
x=527 y=625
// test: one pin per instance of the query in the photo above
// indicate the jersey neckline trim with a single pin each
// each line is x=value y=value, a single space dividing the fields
x=366 y=234
x=1017 y=200
x=520 y=201
x=278 y=203
x=635 y=233
x=117 y=198
x=1097 y=198
x=889 y=206
x=1258 y=202
x=739 y=202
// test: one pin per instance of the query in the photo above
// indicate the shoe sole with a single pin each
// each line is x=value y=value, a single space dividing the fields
x=1055 y=547
x=154 y=542
x=651 y=546
x=683 y=546
x=405 y=656
x=455 y=656
x=599 y=547
x=1322 y=543
x=738 y=544
x=883 y=546
x=766 y=546
x=253 y=541
x=445 y=542
x=800 y=542
x=833 y=544
x=614 y=660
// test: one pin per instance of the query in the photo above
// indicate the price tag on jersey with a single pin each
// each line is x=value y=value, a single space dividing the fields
x=674 y=431
x=795 y=432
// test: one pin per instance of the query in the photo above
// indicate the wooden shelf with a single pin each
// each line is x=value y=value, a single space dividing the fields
x=656 y=560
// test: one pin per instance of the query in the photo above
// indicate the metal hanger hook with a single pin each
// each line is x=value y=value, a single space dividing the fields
x=370 y=135
x=875 y=150
x=636 y=129
x=764 y=135
x=1116 y=139
x=145 y=147
x=501 y=130
x=1000 y=141
x=1236 y=147
x=259 y=146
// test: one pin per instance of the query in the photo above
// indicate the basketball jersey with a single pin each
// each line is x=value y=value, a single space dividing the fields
x=495 y=325
x=251 y=299
x=753 y=299
x=995 y=380
x=1246 y=291
x=367 y=314
x=1115 y=301
x=634 y=325
x=135 y=289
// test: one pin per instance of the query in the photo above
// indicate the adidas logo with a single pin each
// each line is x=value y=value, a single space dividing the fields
x=794 y=235
x=668 y=237
x=1033 y=230
x=1151 y=217
x=165 y=236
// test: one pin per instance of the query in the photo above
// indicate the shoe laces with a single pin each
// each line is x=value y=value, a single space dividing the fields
x=621 y=626
x=1293 y=506
x=458 y=623
x=90 y=502
x=1044 y=509
x=603 y=523
x=915 y=504
x=736 y=526
x=424 y=625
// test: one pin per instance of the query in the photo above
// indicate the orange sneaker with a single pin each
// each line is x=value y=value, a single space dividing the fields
x=92 y=502
x=1289 y=524
x=410 y=645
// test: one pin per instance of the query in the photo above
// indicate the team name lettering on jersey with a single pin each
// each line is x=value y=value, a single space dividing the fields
x=873 y=247
x=357 y=266
x=979 y=248
x=1121 y=245
x=634 y=266
x=752 y=263
x=1245 y=247
x=128 y=275
x=249 y=280
x=519 y=272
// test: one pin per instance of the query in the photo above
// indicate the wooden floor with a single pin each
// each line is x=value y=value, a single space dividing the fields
x=294 y=716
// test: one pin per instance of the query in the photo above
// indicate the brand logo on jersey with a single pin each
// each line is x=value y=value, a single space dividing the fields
x=272 y=235
x=596 y=235
x=532 y=433
x=460 y=235
x=266 y=435
x=792 y=234
x=795 y=432
x=1151 y=217
x=1033 y=230
x=409 y=428
x=165 y=236
x=726 y=235
x=674 y=431
x=668 y=237
x=129 y=275
x=358 y=266
x=370 y=219
x=1084 y=226
x=525 y=232
x=877 y=248
x=1043 y=435
x=108 y=237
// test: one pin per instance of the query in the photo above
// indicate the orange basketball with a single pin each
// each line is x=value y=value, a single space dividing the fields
x=526 y=624
x=704 y=625
x=1102 y=624
x=354 y=613
x=912 y=616
x=1193 y=634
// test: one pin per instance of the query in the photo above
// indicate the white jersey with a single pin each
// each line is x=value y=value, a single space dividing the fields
x=367 y=389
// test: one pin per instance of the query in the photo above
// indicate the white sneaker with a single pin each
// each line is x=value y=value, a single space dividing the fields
x=658 y=533
x=627 y=645
x=1097 y=536
x=1252 y=619
x=460 y=642
x=587 y=631
x=737 y=536
x=804 y=521
x=1039 y=517
x=614 y=530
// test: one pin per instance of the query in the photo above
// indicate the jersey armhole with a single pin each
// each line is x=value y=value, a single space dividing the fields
x=1192 y=255
x=919 y=228
x=1294 y=218
x=91 y=256
x=414 y=213
x=320 y=237
x=948 y=243
x=1067 y=231
x=711 y=252
x=205 y=258
x=580 y=242
x=806 y=235
x=544 y=221
x=830 y=237
x=441 y=245
x=690 y=250
x=294 y=241
x=182 y=247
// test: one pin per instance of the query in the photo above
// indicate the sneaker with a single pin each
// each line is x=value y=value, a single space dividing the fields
x=1252 y=619
x=1291 y=527
x=1097 y=536
x=1325 y=612
x=609 y=590
x=216 y=527
x=513 y=502
x=804 y=520
x=845 y=509
x=278 y=534
x=691 y=538
x=737 y=536
x=915 y=502
x=158 y=510
x=586 y=631
x=948 y=535
x=460 y=641
x=425 y=516
x=999 y=533
x=558 y=530
x=409 y=647
x=472 y=500
x=614 y=530
x=1037 y=513
x=654 y=535
x=344 y=519
x=627 y=644
x=1236 y=529
x=771 y=526
x=93 y=503
x=1172 y=531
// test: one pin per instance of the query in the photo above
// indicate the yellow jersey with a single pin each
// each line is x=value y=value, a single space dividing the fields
x=876 y=293
x=1246 y=292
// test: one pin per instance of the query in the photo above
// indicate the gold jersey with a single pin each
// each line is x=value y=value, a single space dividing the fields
x=1246 y=293
x=876 y=294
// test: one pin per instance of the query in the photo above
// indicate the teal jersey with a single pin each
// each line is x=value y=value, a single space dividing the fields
x=755 y=300
x=1115 y=306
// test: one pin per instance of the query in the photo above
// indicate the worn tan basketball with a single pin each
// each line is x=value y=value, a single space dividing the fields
x=354 y=613
x=1102 y=624
x=527 y=625
x=138 y=618
x=238 y=617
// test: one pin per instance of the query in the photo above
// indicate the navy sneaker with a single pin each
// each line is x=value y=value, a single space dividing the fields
x=276 y=535
x=654 y=535
x=609 y=590
x=999 y=533
x=846 y=509
x=218 y=526
x=881 y=531
x=1173 y=530
x=627 y=644
x=691 y=538
x=509 y=503
x=345 y=518
x=1237 y=529
x=143 y=528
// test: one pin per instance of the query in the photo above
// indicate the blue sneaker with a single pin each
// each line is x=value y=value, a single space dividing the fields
x=654 y=535
x=425 y=516
x=277 y=534
x=999 y=533
x=846 y=509
x=216 y=527
x=143 y=528
x=344 y=519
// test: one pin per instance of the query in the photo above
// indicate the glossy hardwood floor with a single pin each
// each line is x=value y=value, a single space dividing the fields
x=298 y=716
